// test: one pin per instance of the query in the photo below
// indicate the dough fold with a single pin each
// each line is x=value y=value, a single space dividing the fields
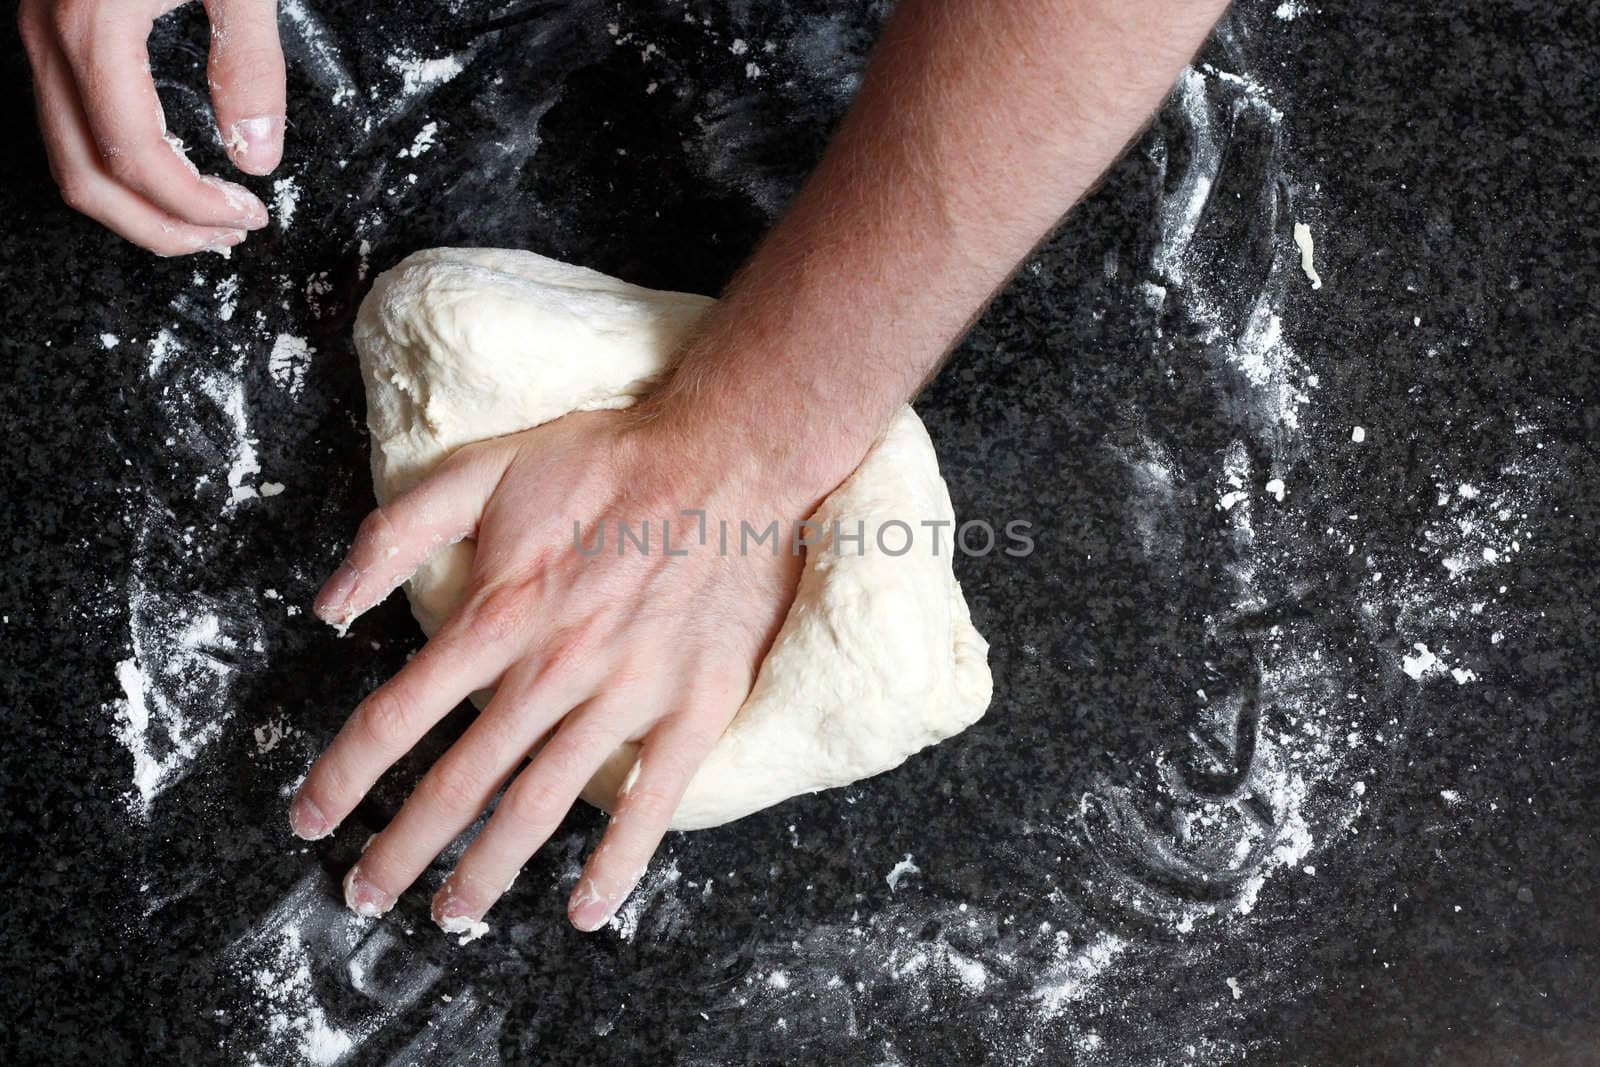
x=877 y=658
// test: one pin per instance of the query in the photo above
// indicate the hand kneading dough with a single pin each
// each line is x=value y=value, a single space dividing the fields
x=878 y=657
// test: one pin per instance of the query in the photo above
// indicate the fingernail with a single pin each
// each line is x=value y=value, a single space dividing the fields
x=336 y=594
x=256 y=144
x=364 y=898
x=307 y=820
x=588 y=909
x=252 y=212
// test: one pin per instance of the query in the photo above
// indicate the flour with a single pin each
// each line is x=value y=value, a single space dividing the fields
x=297 y=954
x=654 y=894
x=187 y=648
x=417 y=73
x=227 y=296
x=288 y=361
x=228 y=393
x=162 y=347
x=306 y=39
x=182 y=661
x=1180 y=212
x=1072 y=975
x=422 y=142
x=285 y=201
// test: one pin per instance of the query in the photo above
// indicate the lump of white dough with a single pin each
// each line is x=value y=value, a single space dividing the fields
x=877 y=658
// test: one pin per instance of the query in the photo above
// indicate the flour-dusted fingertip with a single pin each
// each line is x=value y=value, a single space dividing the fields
x=364 y=898
x=307 y=820
x=252 y=213
x=588 y=910
x=455 y=916
x=256 y=144
x=332 y=605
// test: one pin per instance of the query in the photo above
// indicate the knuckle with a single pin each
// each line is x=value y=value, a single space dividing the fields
x=621 y=860
x=500 y=612
x=385 y=719
x=680 y=763
x=569 y=651
x=122 y=166
x=670 y=772
x=689 y=743
x=454 y=787
x=377 y=532
x=66 y=16
x=654 y=797
x=30 y=27
x=248 y=60
x=502 y=734
x=77 y=195
x=560 y=761
x=536 y=805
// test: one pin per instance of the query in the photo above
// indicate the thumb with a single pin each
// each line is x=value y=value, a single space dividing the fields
x=246 y=76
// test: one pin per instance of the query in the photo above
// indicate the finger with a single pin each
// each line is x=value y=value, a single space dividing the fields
x=400 y=536
x=529 y=812
x=80 y=173
x=393 y=718
x=456 y=790
x=661 y=774
x=107 y=52
x=247 y=81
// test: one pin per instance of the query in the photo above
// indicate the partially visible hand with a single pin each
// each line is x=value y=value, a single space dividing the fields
x=106 y=135
x=584 y=652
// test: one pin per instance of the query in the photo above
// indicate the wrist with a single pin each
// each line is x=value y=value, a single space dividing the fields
x=760 y=450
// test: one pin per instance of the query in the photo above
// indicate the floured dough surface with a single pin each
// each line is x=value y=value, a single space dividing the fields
x=878 y=657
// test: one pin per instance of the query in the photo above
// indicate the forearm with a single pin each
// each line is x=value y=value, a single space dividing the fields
x=977 y=126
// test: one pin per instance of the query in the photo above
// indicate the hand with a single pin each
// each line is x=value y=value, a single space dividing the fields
x=584 y=652
x=106 y=135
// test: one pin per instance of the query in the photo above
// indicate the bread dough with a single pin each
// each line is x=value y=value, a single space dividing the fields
x=877 y=658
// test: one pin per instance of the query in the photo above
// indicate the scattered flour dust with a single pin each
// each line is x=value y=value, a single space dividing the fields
x=306 y=39
x=287 y=364
x=187 y=653
x=422 y=142
x=1444 y=596
x=285 y=201
x=228 y=393
x=227 y=294
x=284 y=984
x=187 y=648
x=656 y=886
x=417 y=73
x=1073 y=972
x=154 y=721
x=305 y=947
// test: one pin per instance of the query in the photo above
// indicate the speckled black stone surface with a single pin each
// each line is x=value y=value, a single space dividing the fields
x=1422 y=887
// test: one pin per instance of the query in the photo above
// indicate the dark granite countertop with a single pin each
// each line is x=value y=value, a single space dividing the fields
x=1293 y=756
